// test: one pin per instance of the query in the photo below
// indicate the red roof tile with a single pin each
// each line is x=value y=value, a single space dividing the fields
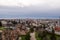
x=57 y=28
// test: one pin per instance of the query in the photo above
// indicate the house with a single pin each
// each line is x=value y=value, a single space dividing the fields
x=4 y=23
x=57 y=28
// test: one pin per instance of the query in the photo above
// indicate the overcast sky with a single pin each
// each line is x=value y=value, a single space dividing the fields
x=29 y=8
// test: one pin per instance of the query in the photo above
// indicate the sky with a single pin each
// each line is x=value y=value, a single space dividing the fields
x=29 y=8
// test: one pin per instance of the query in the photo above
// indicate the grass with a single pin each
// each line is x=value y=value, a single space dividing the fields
x=36 y=35
x=23 y=37
x=2 y=28
x=57 y=36
x=48 y=36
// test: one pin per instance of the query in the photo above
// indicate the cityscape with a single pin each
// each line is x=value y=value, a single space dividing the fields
x=29 y=19
x=29 y=29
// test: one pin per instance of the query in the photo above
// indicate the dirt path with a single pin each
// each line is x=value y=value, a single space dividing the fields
x=32 y=36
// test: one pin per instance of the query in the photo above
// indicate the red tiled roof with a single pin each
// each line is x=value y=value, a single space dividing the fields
x=57 y=28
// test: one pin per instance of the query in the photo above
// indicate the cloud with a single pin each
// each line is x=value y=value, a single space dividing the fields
x=29 y=8
x=33 y=11
x=23 y=3
x=20 y=3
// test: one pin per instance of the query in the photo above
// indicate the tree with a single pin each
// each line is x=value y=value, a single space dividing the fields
x=43 y=33
x=14 y=22
x=0 y=36
x=0 y=23
x=31 y=29
x=53 y=35
x=28 y=24
x=27 y=36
